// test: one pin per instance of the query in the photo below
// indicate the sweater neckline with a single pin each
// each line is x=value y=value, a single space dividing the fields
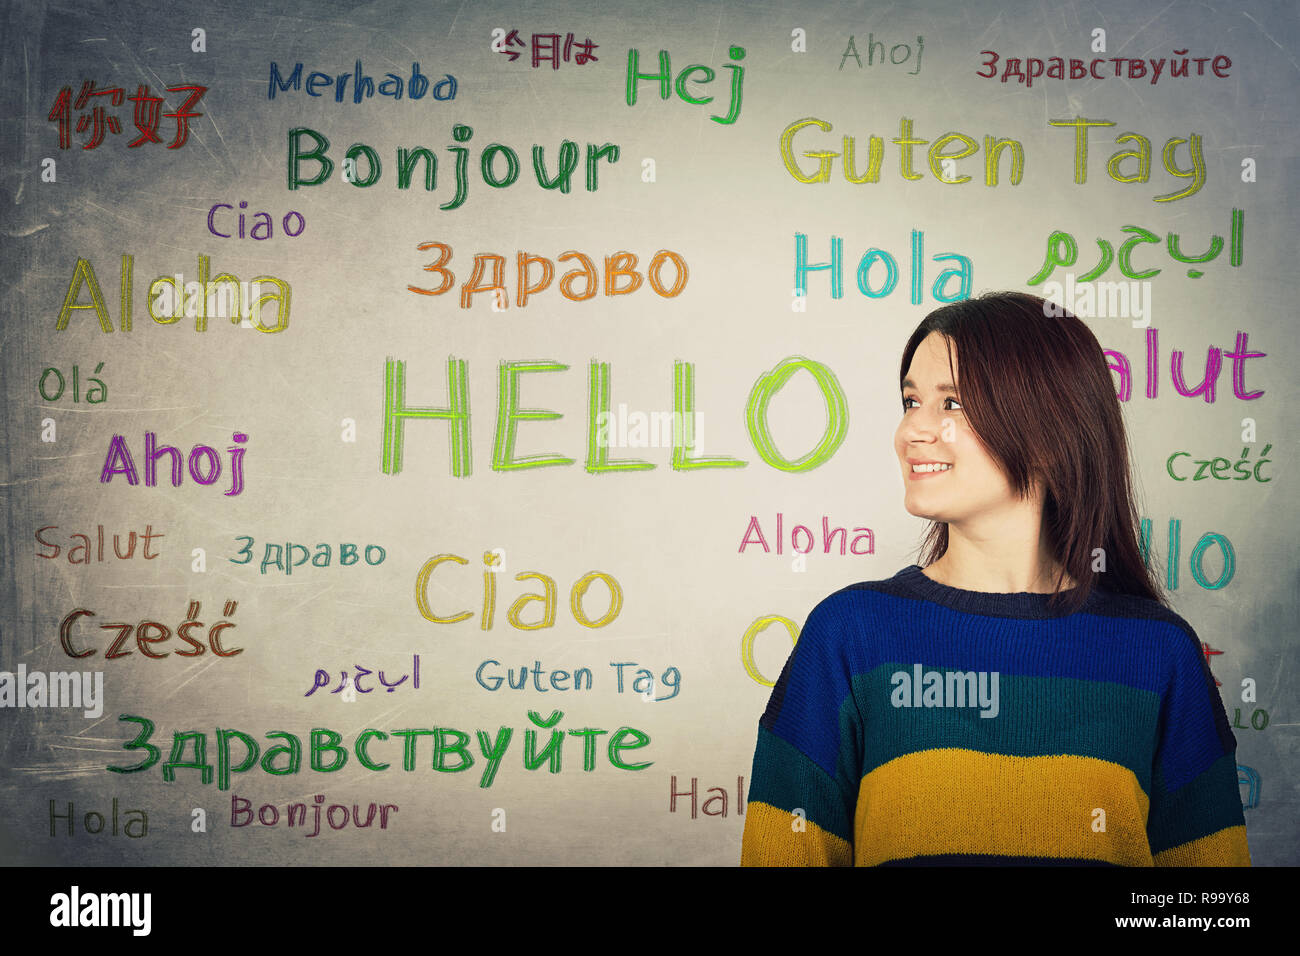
x=1026 y=604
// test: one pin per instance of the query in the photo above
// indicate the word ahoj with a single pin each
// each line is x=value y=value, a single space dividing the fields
x=546 y=48
x=515 y=615
x=322 y=679
x=1118 y=362
x=76 y=386
x=851 y=50
x=1062 y=250
x=55 y=689
x=963 y=272
x=199 y=293
x=241 y=814
x=363 y=86
x=93 y=822
x=83 y=547
x=946 y=689
x=1218 y=465
x=667 y=85
x=147 y=114
x=160 y=633
x=204 y=462
x=620 y=266
x=492 y=157
x=1099 y=300
x=102 y=909
x=261 y=220
x=828 y=537
x=718 y=801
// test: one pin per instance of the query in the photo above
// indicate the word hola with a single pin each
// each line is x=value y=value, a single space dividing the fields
x=93 y=822
x=963 y=273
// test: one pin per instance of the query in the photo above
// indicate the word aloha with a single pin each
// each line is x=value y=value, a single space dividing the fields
x=55 y=689
x=326 y=756
x=148 y=114
x=957 y=689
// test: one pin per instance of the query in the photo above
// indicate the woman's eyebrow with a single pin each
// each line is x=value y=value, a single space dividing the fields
x=942 y=387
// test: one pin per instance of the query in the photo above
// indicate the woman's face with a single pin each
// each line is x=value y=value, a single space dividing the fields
x=934 y=432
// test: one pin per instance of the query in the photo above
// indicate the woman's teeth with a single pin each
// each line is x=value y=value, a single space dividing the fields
x=930 y=468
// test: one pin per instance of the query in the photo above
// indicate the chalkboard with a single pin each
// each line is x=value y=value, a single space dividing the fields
x=429 y=425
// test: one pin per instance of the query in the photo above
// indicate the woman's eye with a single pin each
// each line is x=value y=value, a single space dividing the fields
x=955 y=403
x=907 y=399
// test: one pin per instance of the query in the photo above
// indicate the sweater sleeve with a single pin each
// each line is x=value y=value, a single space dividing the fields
x=803 y=788
x=1195 y=817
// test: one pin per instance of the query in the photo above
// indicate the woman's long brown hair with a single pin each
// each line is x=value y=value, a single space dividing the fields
x=1036 y=389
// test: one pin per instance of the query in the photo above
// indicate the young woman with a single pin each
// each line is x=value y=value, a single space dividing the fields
x=1024 y=696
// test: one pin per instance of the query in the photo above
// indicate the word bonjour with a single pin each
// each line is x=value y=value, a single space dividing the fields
x=324 y=743
x=76 y=386
x=82 y=546
x=322 y=679
x=1218 y=465
x=196 y=295
x=514 y=615
x=75 y=908
x=946 y=689
x=296 y=814
x=204 y=462
x=620 y=266
x=93 y=822
x=643 y=683
x=490 y=159
x=828 y=537
x=160 y=633
x=55 y=689
x=286 y=559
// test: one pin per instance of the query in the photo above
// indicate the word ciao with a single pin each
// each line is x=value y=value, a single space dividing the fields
x=643 y=683
x=76 y=386
x=363 y=86
x=286 y=559
x=152 y=632
x=326 y=756
x=102 y=909
x=196 y=295
x=941 y=157
x=828 y=537
x=241 y=814
x=261 y=220
x=1136 y=66
x=619 y=268
x=950 y=689
x=515 y=615
x=93 y=822
x=706 y=74
x=83 y=547
x=55 y=689
x=1218 y=465
x=204 y=462
x=498 y=164
x=322 y=679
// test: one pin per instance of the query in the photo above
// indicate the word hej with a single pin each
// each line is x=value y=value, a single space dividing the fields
x=667 y=84
x=284 y=557
x=963 y=273
x=618 y=267
x=82 y=547
x=353 y=684
x=363 y=86
x=222 y=294
x=1062 y=250
x=943 y=163
x=407 y=159
x=324 y=746
x=76 y=386
x=1054 y=67
x=1219 y=465
x=147 y=114
x=201 y=457
x=755 y=529
x=296 y=813
x=643 y=683
x=55 y=689
x=102 y=909
x=546 y=48
x=160 y=633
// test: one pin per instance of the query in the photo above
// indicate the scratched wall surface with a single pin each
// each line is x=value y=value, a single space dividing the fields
x=310 y=396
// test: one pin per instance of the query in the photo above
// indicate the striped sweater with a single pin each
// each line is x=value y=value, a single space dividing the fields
x=916 y=723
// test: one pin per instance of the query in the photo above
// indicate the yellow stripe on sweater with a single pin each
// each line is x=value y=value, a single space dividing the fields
x=776 y=838
x=1226 y=848
x=960 y=801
